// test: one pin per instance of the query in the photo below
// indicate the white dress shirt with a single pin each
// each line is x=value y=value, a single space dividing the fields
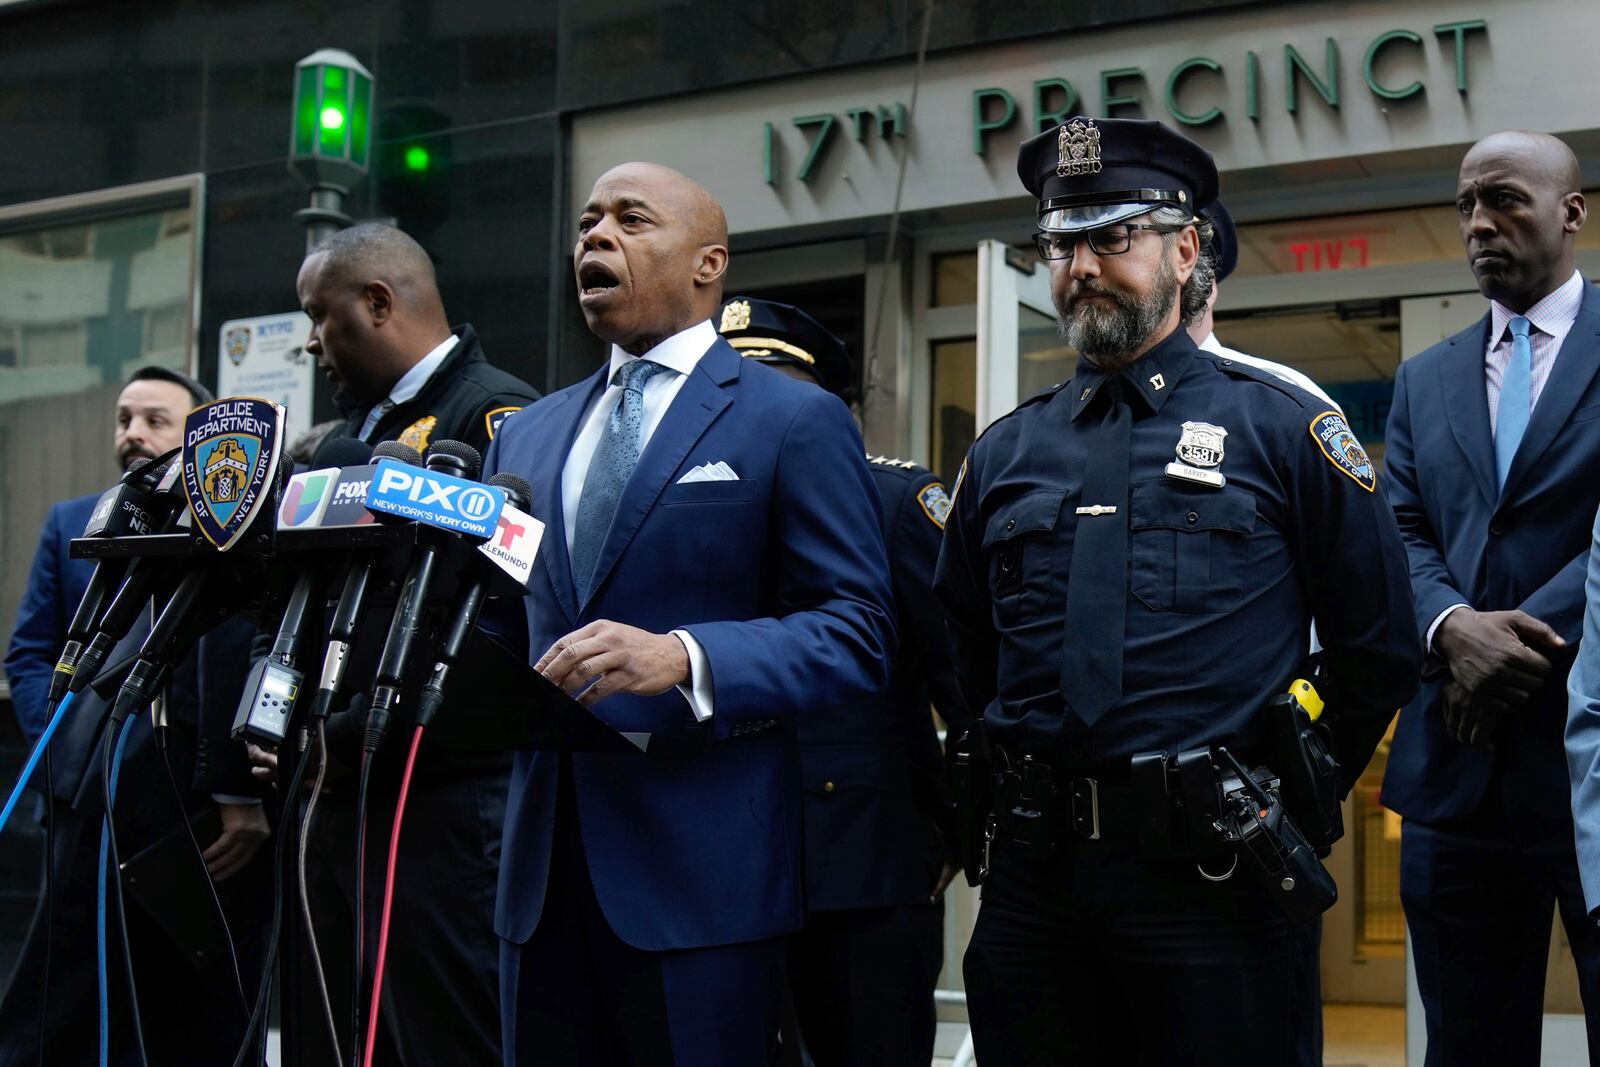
x=409 y=385
x=679 y=354
x=1551 y=319
x=1279 y=370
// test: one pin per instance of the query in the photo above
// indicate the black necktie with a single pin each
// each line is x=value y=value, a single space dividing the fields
x=1097 y=585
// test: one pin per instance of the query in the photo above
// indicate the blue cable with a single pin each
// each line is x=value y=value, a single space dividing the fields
x=33 y=759
x=100 y=904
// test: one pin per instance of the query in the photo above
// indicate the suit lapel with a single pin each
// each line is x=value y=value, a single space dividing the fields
x=696 y=406
x=1569 y=380
x=1466 y=404
x=561 y=426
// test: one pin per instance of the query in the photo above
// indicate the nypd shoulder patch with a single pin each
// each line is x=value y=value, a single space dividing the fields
x=935 y=503
x=493 y=418
x=1334 y=436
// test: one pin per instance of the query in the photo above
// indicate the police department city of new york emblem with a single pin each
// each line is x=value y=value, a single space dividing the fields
x=1079 y=148
x=736 y=316
x=236 y=342
x=1200 y=452
x=231 y=450
x=1343 y=449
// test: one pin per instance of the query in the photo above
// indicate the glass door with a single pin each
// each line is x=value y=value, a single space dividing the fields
x=1019 y=350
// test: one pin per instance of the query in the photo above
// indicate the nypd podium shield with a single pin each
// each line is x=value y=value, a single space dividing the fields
x=230 y=463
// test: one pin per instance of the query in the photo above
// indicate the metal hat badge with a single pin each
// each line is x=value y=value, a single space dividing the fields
x=231 y=449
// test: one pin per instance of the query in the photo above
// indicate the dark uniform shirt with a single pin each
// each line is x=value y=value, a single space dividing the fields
x=465 y=400
x=1224 y=581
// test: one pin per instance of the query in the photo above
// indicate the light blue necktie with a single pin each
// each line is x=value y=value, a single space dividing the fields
x=613 y=461
x=1516 y=400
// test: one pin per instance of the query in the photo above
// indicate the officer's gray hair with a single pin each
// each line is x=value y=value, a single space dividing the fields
x=1197 y=290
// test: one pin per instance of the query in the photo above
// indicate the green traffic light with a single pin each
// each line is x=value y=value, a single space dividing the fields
x=417 y=158
x=332 y=118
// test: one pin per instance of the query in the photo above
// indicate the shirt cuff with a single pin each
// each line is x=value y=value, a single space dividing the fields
x=1434 y=626
x=229 y=798
x=698 y=691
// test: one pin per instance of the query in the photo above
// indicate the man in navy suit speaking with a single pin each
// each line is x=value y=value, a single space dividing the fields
x=1494 y=473
x=712 y=568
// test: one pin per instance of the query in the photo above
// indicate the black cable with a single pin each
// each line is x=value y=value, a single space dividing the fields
x=114 y=727
x=264 y=989
x=199 y=854
x=361 y=911
x=49 y=895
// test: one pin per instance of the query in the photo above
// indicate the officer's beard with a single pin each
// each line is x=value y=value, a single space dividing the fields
x=1105 y=333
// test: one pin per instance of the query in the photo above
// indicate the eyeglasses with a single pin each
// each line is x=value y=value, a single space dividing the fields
x=1110 y=240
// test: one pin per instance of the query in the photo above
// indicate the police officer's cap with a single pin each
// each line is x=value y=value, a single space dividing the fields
x=771 y=332
x=1224 y=239
x=1093 y=172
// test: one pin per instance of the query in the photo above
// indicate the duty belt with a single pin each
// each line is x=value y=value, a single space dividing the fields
x=1043 y=806
x=1039 y=805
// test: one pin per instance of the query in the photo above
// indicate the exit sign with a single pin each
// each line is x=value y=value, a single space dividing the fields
x=1343 y=253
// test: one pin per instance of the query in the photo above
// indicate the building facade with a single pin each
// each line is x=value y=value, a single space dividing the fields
x=866 y=158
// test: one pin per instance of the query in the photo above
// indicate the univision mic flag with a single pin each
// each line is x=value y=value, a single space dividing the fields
x=230 y=463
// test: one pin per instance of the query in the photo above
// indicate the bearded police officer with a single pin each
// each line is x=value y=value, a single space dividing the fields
x=876 y=815
x=1131 y=564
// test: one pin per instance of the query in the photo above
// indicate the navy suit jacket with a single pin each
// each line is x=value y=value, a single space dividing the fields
x=781 y=578
x=1525 y=547
x=56 y=583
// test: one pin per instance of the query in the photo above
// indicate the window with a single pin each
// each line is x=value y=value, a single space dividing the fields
x=91 y=288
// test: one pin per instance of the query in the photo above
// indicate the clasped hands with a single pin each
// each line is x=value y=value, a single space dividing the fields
x=1498 y=660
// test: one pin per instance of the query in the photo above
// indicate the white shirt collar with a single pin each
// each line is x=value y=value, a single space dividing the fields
x=1552 y=315
x=412 y=381
x=680 y=352
x=1211 y=344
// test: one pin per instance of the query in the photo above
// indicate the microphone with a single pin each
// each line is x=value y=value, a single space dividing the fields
x=129 y=508
x=133 y=593
x=519 y=494
x=274 y=682
x=186 y=615
x=351 y=608
x=459 y=462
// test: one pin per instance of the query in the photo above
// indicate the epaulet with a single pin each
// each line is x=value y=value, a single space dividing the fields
x=1246 y=372
x=895 y=464
x=1040 y=397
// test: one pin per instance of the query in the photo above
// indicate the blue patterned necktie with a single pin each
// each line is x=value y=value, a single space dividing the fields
x=1516 y=400
x=613 y=461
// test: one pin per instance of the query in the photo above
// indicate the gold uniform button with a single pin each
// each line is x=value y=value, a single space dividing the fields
x=827 y=787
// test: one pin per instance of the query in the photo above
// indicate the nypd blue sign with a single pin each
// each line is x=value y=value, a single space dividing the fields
x=436 y=499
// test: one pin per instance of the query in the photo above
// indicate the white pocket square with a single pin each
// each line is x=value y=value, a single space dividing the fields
x=709 y=472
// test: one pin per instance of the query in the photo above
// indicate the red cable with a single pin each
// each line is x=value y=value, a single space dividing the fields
x=388 y=898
